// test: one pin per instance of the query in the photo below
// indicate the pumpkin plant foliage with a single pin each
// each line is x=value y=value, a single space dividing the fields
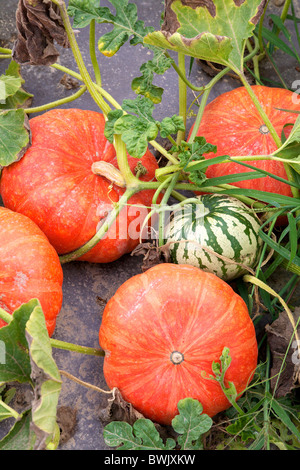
x=190 y=424
x=226 y=32
x=28 y=359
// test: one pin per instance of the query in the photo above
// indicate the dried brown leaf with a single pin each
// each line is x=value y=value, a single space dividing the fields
x=285 y=371
x=39 y=24
x=153 y=254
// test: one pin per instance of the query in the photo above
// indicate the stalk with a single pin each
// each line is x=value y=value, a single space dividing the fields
x=56 y=103
x=182 y=96
x=130 y=179
x=105 y=108
x=103 y=229
x=10 y=410
x=93 y=53
x=55 y=343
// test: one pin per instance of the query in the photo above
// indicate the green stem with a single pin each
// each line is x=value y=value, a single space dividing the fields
x=259 y=108
x=182 y=96
x=79 y=60
x=101 y=90
x=164 y=152
x=130 y=179
x=182 y=75
x=93 y=53
x=204 y=101
x=266 y=402
x=10 y=410
x=56 y=103
x=103 y=229
x=5 y=316
x=5 y=50
x=5 y=56
x=55 y=343
x=164 y=201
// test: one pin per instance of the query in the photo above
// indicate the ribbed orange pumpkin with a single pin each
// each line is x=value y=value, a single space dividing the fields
x=29 y=267
x=54 y=185
x=163 y=329
x=233 y=124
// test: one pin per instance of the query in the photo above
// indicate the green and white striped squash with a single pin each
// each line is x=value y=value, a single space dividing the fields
x=220 y=224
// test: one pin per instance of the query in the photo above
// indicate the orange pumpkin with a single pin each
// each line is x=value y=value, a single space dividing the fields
x=29 y=267
x=163 y=329
x=55 y=186
x=233 y=124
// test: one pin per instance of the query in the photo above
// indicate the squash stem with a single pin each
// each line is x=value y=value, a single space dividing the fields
x=102 y=230
x=182 y=96
x=93 y=53
x=105 y=108
x=56 y=103
x=55 y=343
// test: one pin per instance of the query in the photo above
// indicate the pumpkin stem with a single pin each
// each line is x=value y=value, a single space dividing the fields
x=110 y=172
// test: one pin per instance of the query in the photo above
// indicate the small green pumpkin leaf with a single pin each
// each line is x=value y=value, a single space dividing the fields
x=141 y=436
x=45 y=377
x=216 y=31
x=171 y=125
x=191 y=424
x=136 y=129
x=157 y=65
x=135 y=133
x=15 y=135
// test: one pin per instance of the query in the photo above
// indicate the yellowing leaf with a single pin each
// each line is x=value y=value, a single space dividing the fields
x=216 y=32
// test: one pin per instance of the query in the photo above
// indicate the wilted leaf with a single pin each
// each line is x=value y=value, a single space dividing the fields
x=285 y=371
x=39 y=24
x=118 y=409
x=152 y=254
x=214 y=30
x=15 y=136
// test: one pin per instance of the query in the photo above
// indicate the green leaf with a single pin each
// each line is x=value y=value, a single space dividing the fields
x=19 y=437
x=110 y=123
x=191 y=424
x=125 y=23
x=16 y=365
x=9 y=85
x=14 y=136
x=143 y=85
x=45 y=377
x=169 y=126
x=141 y=436
x=216 y=31
x=20 y=98
x=135 y=133
x=136 y=130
